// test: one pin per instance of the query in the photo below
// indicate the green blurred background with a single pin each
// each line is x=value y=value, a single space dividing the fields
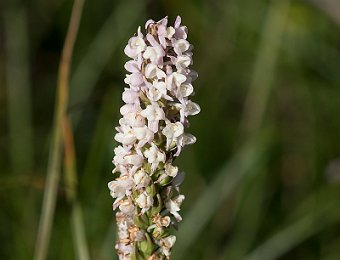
x=262 y=181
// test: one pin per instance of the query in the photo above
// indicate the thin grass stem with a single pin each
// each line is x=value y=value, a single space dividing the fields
x=53 y=170
x=77 y=221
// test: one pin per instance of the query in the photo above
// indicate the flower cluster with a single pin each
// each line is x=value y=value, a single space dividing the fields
x=151 y=133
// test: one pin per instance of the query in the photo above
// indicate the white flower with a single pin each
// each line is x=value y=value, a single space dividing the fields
x=154 y=93
x=174 y=80
x=144 y=135
x=119 y=189
x=154 y=114
x=123 y=156
x=135 y=80
x=158 y=90
x=161 y=221
x=122 y=169
x=127 y=108
x=187 y=108
x=180 y=31
x=144 y=201
x=152 y=71
x=154 y=53
x=123 y=230
x=126 y=207
x=154 y=156
x=173 y=206
x=135 y=46
x=171 y=170
x=120 y=153
x=124 y=249
x=130 y=97
x=167 y=243
x=191 y=108
x=131 y=116
x=134 y=159
x=125 y=135
x=184 y=140
x=172 y=131
x=134 y=66
x=148 y=22
x=184 y=90
x=170 y=31
x=163 y=31
x=180 y=46
x=183 y=62
x=141 y=179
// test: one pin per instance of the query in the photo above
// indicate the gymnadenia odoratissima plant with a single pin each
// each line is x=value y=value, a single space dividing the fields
x=152 y=134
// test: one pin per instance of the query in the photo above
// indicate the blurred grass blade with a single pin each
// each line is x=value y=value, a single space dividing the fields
x=225 y=182
x=18 y=90
x=333 y=253
x=19 y=104
x=264 y=67
x=100 y=51
x=282 y=241
x=53 y=171
x=253 y=117
x=253 y=195
x=71 y=181
x=78 y=231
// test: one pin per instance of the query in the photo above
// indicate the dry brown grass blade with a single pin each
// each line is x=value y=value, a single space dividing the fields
x=77 y=221
x=53 y=170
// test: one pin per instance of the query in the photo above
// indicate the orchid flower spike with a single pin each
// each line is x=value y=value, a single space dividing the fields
x=151 y=134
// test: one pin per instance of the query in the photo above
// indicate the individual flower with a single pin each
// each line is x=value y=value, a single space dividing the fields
x=153 y=113
x=136 y=45
x=143 y=134
x=166 y=244
x=172 y=131
x=144 y=201
x=154 y=156
x=141 y=179
x=174 y=205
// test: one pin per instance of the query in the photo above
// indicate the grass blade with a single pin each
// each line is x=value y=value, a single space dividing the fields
x=328 y=214
x=53 y=171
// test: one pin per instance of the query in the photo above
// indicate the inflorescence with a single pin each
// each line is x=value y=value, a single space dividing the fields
x=151 y=133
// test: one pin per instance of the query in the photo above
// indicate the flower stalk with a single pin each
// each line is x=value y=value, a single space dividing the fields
x=151 y=134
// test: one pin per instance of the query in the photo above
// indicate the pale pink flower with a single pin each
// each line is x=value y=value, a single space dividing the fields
x=144 y=135
x=180 y=30
x=154 y=114
x=174 y=80
x=144 y=201
x=172 y=131
x=173 y=206
x=154 y=156
x=135 y=46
